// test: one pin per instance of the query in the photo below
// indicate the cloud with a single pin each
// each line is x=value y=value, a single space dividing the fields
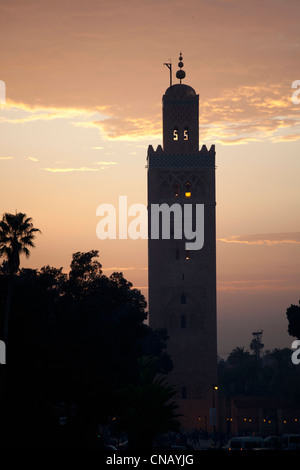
x=32 y=113
x=119 y=269
x=241 y=51
x=32 y=159
x=237 y=140
x=68 y=170
x=238 y=116
x=256 y=286
x=264 y=239
x=128 y=268
x=286 y=138
x=250 y=113
x=105 y=163
x=7 y=158
x=126 y=128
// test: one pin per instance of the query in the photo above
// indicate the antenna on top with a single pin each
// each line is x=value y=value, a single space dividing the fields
x=169 y=65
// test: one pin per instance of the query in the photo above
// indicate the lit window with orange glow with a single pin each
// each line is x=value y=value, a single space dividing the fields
x=186 y=134
x=188 y=190
x=187 y=254
x=175 y=134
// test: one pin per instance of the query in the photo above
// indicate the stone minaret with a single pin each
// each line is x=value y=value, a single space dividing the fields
x=182 y=283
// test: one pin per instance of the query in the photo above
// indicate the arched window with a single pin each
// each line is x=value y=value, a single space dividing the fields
x=183 y=321
x=186 y=134
x=188 y=190
x=183 y=299
x=176 y=189
x=175 y=134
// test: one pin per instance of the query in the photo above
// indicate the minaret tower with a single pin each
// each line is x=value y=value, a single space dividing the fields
x=182 y=283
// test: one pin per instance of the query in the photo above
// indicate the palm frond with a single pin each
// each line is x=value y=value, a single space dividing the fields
x=17 y=234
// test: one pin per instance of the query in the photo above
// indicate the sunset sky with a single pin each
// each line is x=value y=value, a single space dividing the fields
x=84 y=85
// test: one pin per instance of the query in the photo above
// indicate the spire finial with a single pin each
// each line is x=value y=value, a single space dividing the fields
x=180 y=74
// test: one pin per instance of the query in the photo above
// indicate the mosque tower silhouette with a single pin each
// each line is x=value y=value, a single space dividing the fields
x=182 y=283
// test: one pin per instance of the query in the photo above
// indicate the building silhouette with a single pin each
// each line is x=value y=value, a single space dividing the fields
x=182 y=282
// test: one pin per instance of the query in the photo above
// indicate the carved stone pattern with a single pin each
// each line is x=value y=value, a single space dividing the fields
x=181 y=161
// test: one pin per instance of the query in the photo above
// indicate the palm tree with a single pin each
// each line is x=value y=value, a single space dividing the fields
x=241 y=364
x=282 y=369
x=149 y=409
x=17 y=234
x=238 y=356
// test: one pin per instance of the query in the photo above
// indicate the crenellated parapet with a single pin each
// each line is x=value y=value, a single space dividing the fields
x=204 y=158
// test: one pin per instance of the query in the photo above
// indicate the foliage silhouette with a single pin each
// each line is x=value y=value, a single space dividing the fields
x=293 y=316
x=274 y=376
x=75 y=339
x=17 y=234
x=148 y=408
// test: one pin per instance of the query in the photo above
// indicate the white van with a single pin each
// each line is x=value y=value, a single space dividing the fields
x=246 y=443
x=291 y=442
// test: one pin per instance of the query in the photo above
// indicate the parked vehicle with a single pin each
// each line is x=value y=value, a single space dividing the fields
x=291 y=442
x=245 y=443
x=273 y=443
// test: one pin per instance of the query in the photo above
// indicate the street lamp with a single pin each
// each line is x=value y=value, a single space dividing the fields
x=214 y=411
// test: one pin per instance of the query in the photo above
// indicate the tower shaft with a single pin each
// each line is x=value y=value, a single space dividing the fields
x=182 y=283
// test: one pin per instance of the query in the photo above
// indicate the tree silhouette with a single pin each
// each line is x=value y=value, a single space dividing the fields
x=148 y=409
x=274 y=375
x=238 y=376
x=77 y=338
x=238 y=356
x=293 y=316
x=17 y=234
x=284 y=379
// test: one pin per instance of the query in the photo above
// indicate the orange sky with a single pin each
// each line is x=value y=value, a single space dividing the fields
x=84 y=83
